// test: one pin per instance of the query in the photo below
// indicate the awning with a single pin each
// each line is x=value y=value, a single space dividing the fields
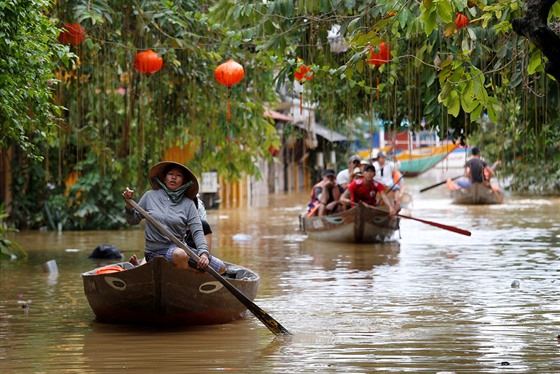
x=277 y=115
x=331 y=135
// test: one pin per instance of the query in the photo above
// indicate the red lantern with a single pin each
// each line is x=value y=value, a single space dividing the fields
x=273 y=151
x=378 y=59
x=461 y=21
x=382 y=57
x=228 y=74
x=148 y=62
x=73 y=33
x=303 y=74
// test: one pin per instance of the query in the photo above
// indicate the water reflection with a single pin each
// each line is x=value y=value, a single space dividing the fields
x=229 y=347
x=363 y=257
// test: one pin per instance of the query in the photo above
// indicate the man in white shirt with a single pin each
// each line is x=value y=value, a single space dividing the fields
x=384 y=171
x=343 y=177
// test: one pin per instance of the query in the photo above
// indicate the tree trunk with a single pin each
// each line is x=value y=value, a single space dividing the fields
x=534 y=27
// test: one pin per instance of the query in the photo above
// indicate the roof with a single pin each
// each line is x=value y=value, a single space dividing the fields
x=277 y=115
x=331 y=135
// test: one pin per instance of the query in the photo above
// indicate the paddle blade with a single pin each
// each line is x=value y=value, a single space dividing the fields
x=440 y=225
x=274 y=326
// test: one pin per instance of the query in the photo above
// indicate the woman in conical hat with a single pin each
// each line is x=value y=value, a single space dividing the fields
x=171 y=202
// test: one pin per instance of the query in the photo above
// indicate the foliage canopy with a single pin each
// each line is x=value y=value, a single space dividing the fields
x=88 y=111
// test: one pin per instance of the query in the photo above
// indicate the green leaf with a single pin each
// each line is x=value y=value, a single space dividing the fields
x=535 y=62
x=476 y=112
x=492 y=107
x=468 y=103
x=353 y=24
x=453 y=103
x=444 y=10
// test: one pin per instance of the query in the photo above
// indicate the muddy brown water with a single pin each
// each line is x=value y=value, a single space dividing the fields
x=432 y=301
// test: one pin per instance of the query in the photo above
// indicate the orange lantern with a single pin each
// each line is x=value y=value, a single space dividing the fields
x=379 y=58
x=273 y=151
x=73 y=33
x=461 y=21
x=303 y=74
x=228 y=74
x=148 y=62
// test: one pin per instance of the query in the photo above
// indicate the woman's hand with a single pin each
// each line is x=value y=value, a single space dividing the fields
x=203 y=262
x=128 y=194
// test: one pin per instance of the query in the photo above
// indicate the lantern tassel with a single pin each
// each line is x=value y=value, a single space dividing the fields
x=377 y=88
x=300 y=103
x=228 y=106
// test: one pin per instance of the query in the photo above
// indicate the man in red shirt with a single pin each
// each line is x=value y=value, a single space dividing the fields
x=365 y=190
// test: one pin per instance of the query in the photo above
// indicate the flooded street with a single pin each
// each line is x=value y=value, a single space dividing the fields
x=432 y=301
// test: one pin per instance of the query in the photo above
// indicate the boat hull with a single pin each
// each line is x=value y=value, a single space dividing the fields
x=476 y=194
x=158 y=293
x=361 y=224
x=419 y=160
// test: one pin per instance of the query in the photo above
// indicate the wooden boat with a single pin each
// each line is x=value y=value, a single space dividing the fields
x=360 y=224
x=474 y=194
x=419 y=160
x=158 y=293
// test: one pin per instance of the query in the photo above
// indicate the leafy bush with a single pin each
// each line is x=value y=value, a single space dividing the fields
x=95 y=201
x=8 y=248
x=531 y=157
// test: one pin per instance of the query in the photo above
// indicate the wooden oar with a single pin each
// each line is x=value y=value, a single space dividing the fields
x=438 y=184
x=498 y=196
x=274 y=326
x=440 y=225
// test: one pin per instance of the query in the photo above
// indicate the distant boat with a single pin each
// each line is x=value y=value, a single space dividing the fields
x=417 y=153
x=416 y=161
x=360 y=224
x=475 y=194
x=159 y=293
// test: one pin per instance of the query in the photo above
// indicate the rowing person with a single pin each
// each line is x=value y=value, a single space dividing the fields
x=477 y=170
x=365 y=190
x=174 y=187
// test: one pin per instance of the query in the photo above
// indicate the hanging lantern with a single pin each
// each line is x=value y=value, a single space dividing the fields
x=303 y=74
x=72 y=33
x=148 y=62
x=273 y=151
x=336 y=41
x=461 y=21
x=378 y=59
x=228 y=74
